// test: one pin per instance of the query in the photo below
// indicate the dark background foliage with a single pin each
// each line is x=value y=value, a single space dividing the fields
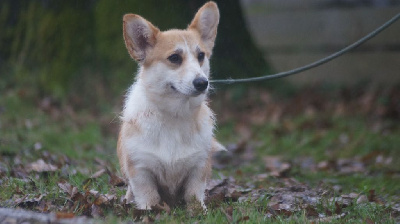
x=67 y=48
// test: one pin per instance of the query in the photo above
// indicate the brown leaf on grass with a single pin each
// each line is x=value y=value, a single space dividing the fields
x=362 y=199
x=228 y=213
x=215 y=192
x=338 y=208
x=29 y=201
x=147 y=219
x=235 y=195
x=115 y=180
x=244 y=218
x=103 y=199
x=41 y=166
x=136 y=213
x=229 y=210
x=326 y=165
x=370 y=157
x=372 y=197
x=328 y=212
x=43 y=206
x=64 y=215
x=96 y=211
x=219 y=191
x=277 y=209
x=235 y=154
x=311 y=211
x=347 y=166
x=369 y=221
x=18 y=190
x=215 y=199
x=83 y=203
x=276 y=166
x=98 y=173
x=161 y=208
x=68 y=188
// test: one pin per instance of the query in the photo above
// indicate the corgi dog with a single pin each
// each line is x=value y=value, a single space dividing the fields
x=166 y=138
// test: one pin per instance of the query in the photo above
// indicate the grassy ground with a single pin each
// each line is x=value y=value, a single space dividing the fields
x=328 y=147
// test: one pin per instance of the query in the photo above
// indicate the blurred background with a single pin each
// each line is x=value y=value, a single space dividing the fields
x=73 y=48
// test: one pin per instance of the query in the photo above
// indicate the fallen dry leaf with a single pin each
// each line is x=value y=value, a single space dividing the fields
x=98 y=173
x=326 y=165
x=311 y=211
x=160 y=208
x=362 y=199
x=338 y=208
x=29 y=201
x=64 y=215
x=276 y=166
x=244 y=218
x=115 y=180
x=347 y=166
x=228 y=213
x=369 y=221
x=104 y=199
x=68 y=188
x=147 y=219
x=41 y=166
x=96 y=211
x=277 y=209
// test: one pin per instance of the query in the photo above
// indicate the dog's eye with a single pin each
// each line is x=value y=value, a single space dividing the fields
x=200 y=56
x=175 y=58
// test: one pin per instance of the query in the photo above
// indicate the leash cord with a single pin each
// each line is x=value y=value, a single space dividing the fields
x=313 y=64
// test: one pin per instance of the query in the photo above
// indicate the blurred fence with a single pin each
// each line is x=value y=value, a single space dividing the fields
x=293 y=33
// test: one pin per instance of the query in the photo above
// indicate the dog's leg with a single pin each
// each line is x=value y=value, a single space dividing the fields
x=129 y=194
x=144 y=190
x=196 y=185
x=195 y=190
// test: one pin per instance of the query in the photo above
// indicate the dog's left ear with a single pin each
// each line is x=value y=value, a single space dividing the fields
x=205 y=22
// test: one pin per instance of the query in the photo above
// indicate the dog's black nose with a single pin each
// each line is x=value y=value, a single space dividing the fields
x=200 y=84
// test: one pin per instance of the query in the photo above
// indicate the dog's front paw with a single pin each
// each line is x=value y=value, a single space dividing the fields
x=195 y=207
x=146 y=202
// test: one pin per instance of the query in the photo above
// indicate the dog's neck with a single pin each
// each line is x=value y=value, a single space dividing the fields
x=139 y=101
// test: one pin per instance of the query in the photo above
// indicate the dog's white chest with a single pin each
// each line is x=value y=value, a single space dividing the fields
x=172 y=140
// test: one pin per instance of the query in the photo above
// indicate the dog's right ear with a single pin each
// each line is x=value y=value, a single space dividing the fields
x=205 y=22
x=139 y=36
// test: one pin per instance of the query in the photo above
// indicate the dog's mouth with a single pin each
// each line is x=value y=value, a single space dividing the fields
x=191 y=94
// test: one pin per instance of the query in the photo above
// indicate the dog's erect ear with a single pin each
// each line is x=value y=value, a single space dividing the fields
x=206 y=22
x=139 y=36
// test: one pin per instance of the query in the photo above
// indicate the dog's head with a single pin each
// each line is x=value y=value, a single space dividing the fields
x=174 y=62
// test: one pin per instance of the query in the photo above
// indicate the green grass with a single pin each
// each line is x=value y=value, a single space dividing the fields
x=80 y=137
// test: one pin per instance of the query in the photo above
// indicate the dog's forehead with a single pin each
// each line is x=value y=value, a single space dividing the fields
x=172 y=39
x=186 y=41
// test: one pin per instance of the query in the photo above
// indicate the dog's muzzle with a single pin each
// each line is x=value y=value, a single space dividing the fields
x=200 y=84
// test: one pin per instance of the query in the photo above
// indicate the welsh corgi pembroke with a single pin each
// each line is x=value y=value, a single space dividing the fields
x=166 y=139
